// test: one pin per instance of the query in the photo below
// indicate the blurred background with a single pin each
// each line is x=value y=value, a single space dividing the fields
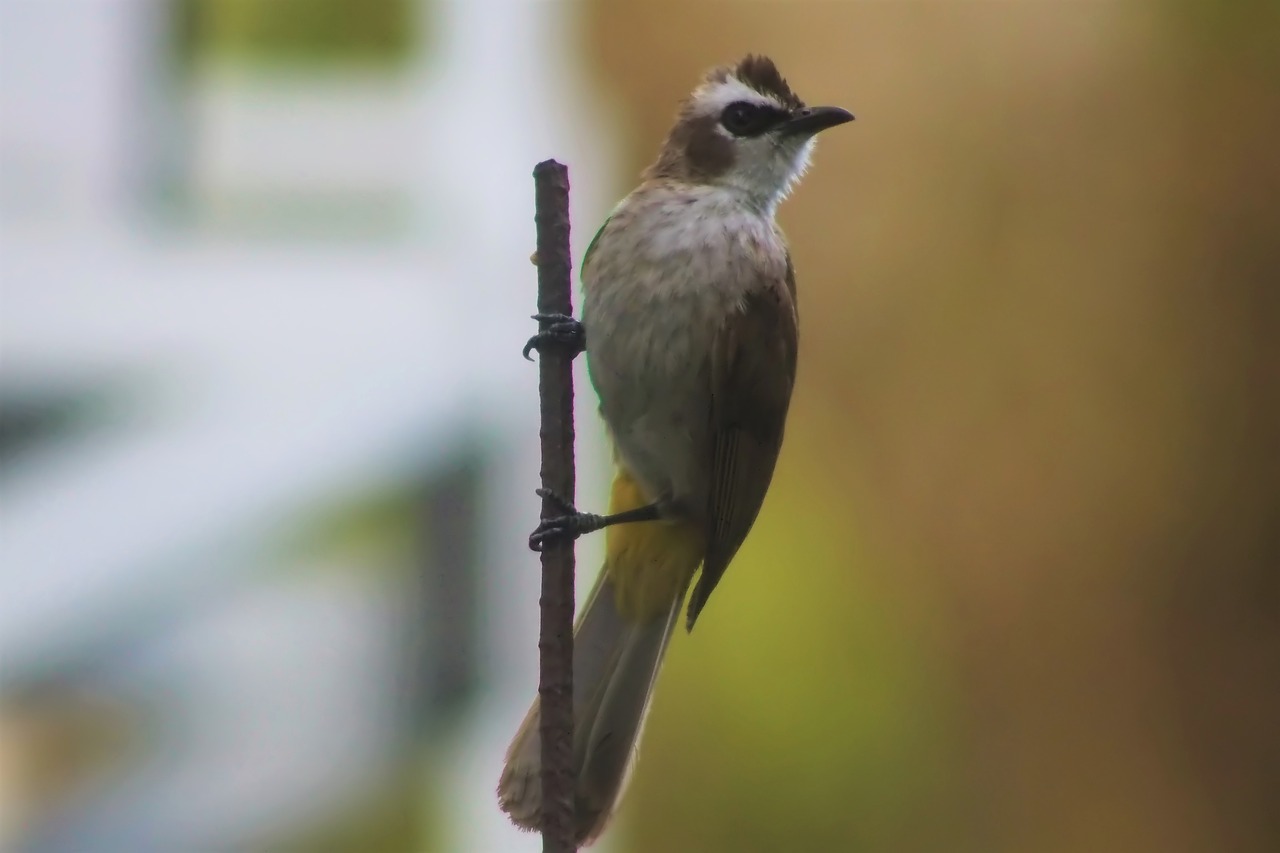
x=268 y=450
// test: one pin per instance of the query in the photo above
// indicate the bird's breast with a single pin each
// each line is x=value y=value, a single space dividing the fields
x=663 y=277
x=665 y=274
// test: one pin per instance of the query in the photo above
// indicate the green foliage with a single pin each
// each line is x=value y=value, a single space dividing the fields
x=390 y=817
x=381 y=531
x=1237 y=27
x=806 y=713
x=297 y=32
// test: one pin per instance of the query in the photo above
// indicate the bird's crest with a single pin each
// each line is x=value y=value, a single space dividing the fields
x=759 y=72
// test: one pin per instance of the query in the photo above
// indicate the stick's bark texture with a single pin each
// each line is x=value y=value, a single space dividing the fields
x=555 y=388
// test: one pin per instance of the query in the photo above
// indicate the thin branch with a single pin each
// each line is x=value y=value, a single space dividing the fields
x=555 y=389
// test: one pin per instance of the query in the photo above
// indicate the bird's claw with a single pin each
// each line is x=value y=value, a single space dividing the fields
x=569 y=525
x=560 y=330
x=561 y=505
x=559 y=529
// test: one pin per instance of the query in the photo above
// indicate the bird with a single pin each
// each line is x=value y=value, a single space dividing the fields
x=691 y=333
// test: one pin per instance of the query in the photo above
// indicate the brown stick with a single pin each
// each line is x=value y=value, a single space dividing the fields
x=555 y=389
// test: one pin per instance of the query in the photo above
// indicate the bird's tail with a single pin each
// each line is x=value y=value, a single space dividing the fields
x=619 y=642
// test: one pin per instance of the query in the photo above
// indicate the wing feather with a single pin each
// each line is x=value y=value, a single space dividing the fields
x=753 y=368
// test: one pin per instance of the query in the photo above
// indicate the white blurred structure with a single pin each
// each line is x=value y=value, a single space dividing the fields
x=248 y=379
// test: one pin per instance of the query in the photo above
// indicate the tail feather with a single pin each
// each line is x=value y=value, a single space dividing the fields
x=618 y=646
x=611 y=743
x=615 y=666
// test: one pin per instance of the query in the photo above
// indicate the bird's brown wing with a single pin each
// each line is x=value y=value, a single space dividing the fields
x=753 y=368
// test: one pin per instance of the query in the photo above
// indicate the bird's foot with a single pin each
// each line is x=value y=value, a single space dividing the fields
x=559 y=330
x=567 y=526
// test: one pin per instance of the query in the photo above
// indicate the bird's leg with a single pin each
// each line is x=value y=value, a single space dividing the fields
x=571 y=524
x=559 y=330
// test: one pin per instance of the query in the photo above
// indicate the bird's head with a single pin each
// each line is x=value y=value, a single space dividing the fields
x=744 y=129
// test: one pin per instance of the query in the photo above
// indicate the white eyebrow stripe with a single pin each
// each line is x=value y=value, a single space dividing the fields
x=714 y=97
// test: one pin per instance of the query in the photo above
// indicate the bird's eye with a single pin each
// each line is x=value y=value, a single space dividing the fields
x=742 y=118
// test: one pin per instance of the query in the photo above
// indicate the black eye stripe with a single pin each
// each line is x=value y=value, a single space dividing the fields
x=744 y=118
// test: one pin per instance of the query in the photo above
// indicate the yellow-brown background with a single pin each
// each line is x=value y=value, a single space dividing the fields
x=1016 y=587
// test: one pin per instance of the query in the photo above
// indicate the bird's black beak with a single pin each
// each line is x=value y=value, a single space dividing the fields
x=810 y=120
